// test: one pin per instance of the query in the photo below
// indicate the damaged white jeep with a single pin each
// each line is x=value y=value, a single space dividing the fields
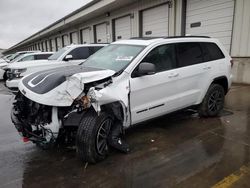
x=123 y=84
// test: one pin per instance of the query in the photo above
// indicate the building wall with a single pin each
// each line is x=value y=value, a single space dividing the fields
x=241 y=29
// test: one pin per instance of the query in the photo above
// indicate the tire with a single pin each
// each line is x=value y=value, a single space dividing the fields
x=92 y=137
x=5 y=76
x=213 y=101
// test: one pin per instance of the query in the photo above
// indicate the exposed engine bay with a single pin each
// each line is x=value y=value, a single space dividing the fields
x=44 y=123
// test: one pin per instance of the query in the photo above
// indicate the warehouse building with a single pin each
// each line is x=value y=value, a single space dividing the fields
x=105 y=21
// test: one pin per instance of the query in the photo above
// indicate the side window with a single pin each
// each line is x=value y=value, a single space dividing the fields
x=188 y=53
x=28 y=58
x=42 y=56
x=163 y=57
x=214 y=51
x=80 y=53
x=94 y=49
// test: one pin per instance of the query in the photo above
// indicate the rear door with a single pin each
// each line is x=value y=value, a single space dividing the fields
x=193 y=72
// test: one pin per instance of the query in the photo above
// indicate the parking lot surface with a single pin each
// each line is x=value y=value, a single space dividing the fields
x=177 y=150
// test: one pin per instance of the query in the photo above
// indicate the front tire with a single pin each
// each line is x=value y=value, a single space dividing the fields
x=213 y=101
x=92 y=136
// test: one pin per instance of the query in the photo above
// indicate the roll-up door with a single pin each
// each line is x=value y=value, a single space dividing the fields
x=53 y=45
x=101 y=33
x=58 y=43
x=74 y=38
x=85 y=36
x=48 y=45
x=65 y=40
x=122 y=28
x=154 y=21
x=211 y=18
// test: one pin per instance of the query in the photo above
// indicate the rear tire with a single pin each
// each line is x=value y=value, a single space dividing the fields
x=92 y=136
x=213 y=101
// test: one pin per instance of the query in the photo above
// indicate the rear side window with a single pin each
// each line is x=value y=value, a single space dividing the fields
x=80 y=53
x=94 y=49
x=212 y=51
x=42 y=56
x=188 y=53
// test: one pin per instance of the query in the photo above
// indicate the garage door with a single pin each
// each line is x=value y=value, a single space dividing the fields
x=212 y=18
x=101 y=32
x=59 y=43
x=155 y=21
x=74 y=38
x=122 y=28
x=44 y=46
x=53 y=45
x=65 y=40
x=48 y=45
x=85 y=35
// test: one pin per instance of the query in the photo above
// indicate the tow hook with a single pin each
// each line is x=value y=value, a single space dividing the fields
x=25 y=139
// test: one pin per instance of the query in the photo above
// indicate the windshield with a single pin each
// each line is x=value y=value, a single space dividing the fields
x=58 y=54
x=114 y=57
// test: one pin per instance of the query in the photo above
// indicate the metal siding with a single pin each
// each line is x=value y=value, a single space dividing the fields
x=215 y=18
x=85 y=35
x=123 y=28
x=155 y=20
x=101 y=33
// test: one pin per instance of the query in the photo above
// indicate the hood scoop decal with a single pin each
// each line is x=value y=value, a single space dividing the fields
x=44 y=81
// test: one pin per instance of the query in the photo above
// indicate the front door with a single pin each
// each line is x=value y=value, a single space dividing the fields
x=155 y=95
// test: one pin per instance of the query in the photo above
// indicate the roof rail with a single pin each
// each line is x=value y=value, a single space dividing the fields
x=170 y=37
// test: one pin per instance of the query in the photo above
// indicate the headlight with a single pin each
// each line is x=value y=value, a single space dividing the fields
x=17 y=72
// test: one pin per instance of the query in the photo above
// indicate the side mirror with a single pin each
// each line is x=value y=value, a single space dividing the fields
x=68 y=58
x=146 y=69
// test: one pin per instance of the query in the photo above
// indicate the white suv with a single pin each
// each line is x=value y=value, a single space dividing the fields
x=67 y=56
x=123 y=84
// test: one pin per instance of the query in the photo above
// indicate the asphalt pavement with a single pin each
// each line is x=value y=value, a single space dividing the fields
x=177 y=150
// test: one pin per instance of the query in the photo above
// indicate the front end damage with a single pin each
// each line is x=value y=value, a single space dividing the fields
x=44 y=118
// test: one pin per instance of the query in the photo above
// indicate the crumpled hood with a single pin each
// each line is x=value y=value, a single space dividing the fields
x=60 y=86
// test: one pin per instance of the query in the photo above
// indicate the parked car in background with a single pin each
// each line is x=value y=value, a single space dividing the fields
x=33 y=56
x=7 y=57
x=17 y=54
x=123 y=84
x=67 y=56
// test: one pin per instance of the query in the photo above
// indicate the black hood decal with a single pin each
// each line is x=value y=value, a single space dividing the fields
x=44 y=81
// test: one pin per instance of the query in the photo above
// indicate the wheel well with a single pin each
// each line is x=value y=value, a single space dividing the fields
x=222 y=81
x=116 y=109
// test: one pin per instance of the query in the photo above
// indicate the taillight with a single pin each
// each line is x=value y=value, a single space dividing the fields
x=232 y=63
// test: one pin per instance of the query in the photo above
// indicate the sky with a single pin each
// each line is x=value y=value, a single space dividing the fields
x=20 y=19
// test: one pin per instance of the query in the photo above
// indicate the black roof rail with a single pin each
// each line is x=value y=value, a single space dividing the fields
x=170 y=37
x=191 y=36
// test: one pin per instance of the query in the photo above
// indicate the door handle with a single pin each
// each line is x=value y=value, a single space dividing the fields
x=207 y=68
x=173 y=75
